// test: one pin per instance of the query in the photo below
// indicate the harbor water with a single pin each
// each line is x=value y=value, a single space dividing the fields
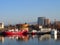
x=45 y=39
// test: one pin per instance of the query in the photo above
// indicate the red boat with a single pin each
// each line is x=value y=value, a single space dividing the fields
x=24 y=32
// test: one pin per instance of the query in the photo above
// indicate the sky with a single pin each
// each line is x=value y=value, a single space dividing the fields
x=21 y=11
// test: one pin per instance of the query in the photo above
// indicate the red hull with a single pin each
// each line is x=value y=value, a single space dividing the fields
x=16 y=33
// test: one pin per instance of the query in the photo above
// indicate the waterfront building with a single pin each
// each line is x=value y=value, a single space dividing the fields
x=40 y=27
x=23 y=26
x=1 y=25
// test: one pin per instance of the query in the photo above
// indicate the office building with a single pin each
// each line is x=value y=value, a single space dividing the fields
x=41 y=20
x=47 y=21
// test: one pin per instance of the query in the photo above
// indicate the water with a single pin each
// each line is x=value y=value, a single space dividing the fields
x=30 y=40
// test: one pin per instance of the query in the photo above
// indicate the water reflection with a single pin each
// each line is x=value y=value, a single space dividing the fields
x=56 y=37
x=19 y=37
x=44 y=37
x=23 y=38
x=28 y=38
x=2 y=39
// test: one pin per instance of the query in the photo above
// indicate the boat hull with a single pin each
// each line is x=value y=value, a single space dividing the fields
x=16 y=33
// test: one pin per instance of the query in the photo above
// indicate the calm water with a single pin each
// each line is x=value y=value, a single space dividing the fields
x=30 y=40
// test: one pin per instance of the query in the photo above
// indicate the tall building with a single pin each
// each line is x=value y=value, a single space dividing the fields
x=47 y=21
x=41 y=20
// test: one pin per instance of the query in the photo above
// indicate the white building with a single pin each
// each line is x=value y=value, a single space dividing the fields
x=1 y=25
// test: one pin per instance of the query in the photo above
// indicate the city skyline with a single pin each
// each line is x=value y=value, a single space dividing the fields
x=21 y=11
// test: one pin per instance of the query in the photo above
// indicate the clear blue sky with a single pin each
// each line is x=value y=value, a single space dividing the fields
x=20 y=11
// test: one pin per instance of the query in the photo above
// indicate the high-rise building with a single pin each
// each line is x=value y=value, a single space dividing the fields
x=47 y=21
x=41 y=20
